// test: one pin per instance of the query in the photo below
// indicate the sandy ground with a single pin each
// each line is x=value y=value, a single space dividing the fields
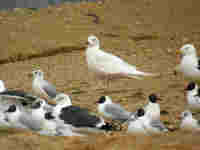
x=143 y=32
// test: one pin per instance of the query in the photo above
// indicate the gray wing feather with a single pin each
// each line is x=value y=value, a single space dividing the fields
x=49 y=89
x=6 y=102
x=10 y=99
x=117 y=112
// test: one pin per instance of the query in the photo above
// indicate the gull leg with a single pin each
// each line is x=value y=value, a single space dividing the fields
x=100 y=85
x=44 y=96
x=98 y=82
x=108 y=82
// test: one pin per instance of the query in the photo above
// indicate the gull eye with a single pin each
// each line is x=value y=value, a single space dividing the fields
x=185 y=114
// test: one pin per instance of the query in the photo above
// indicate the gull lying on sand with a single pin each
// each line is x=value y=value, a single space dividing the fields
x=76 y=116
x=142 y=123
x=152 y=109
x=37 y=119
x=53 y=126
x=193 y=96
x=136 y=125
x=188 y=122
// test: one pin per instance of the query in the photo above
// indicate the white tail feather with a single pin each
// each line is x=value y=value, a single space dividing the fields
x=137 y=75
x=140 y=73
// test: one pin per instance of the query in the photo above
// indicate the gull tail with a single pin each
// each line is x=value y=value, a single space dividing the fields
x=135 y=77
x=140 y=73
x=137 y=74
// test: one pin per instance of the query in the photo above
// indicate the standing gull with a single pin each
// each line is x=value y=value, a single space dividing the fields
x=190 y=64
x=112 y=110
x=41 y=86
x=106 y=65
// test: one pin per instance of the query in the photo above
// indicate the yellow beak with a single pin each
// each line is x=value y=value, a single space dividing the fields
x=178 y=51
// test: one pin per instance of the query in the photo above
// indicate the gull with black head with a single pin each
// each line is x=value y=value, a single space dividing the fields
x=188 y=122
x=112 y=110
x=152 y=109
x=14 y=115
x=193 y=96
x=136 y=125
x=76 y=116
x=53 y=126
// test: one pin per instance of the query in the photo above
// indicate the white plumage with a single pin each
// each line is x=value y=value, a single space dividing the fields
x=189 y=64
x=188 y=122
x=107 y=65
x=41 y=86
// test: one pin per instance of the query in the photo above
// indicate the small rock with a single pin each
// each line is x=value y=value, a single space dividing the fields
x=148 y=50
x=138 y=23
x=169 y=50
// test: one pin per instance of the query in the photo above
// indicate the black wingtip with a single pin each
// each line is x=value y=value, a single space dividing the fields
x=49 y=116
x=110 y=127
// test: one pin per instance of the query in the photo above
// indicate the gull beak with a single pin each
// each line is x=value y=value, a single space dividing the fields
x=30 y=75
x=87 y=43
x=97 y=102
x=179 y=117
x=178 y=51
x=159 y=99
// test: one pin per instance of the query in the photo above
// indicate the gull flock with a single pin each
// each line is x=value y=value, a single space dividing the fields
x=35 y=112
